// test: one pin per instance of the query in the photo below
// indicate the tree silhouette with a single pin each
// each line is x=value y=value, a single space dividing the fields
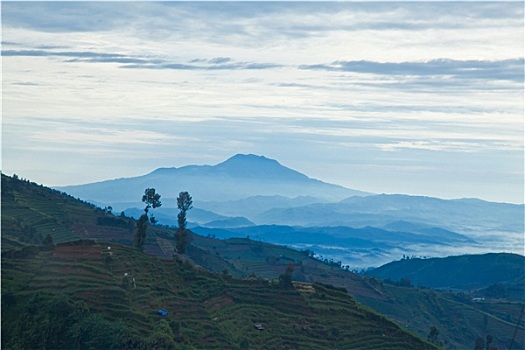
x=48 y=241
x=489 y=338
x=433 y=335
x=479 y=344
x=152 y=200
x=184 y=203
x=285 y=279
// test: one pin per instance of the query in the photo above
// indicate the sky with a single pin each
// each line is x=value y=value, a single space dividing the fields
x=422 y=98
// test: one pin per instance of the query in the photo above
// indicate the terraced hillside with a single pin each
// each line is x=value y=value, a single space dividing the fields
x=121 y=290
x=30 y=212
x=459 y=318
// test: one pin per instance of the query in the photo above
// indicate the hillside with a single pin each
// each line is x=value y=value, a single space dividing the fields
x=30 y=212
x=28 y=207
x=464 y=272
x=459 y=319
x=109 y=298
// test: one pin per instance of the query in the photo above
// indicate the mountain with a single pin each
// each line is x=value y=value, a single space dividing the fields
x=240 y=176
x=463 y=272
x=254 y=205
x=250 y=190
x=196 y=216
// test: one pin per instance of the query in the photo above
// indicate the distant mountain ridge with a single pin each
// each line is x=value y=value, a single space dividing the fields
x=462 y=215
x=238 y=177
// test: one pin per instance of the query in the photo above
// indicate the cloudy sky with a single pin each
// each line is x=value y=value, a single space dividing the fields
x=415 y=97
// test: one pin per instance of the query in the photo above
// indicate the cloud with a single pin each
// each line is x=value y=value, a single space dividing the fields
x=218 y=63
x=220 y=66
x=511 y=69
x=58 y=17
x=76 y=56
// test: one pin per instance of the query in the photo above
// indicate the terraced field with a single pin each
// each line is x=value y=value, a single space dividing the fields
x=205 y=311
x=457 y=319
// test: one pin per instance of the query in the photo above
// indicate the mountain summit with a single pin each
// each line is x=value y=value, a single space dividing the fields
x=241 y=176
x=250 y=165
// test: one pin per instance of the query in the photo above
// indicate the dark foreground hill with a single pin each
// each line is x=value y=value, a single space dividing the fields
x=465 y=272
x=83 y=295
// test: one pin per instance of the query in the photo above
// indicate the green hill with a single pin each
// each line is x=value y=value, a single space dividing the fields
x=82 y=295
x=464 y=272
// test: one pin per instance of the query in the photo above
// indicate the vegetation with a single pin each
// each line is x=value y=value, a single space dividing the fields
x=71 y=298
x=152 y=200
x=182 y=235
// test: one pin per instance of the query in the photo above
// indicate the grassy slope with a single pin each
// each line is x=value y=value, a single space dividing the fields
x=30 y=212
x=26 y=205
x=206 y=311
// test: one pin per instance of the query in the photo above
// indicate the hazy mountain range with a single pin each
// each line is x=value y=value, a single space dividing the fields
x=246 y=192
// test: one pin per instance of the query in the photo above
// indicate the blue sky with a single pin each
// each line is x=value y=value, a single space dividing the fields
x=415 y=97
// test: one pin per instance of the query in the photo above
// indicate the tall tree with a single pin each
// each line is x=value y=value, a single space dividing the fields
x=152 y=200
x=184 y=203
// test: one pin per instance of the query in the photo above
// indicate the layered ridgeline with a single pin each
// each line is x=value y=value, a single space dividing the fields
x=245 y=194
x=265 y=192
x=31 y=212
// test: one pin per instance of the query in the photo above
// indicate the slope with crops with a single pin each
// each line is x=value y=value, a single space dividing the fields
x=84 y=295
x=459 y=317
